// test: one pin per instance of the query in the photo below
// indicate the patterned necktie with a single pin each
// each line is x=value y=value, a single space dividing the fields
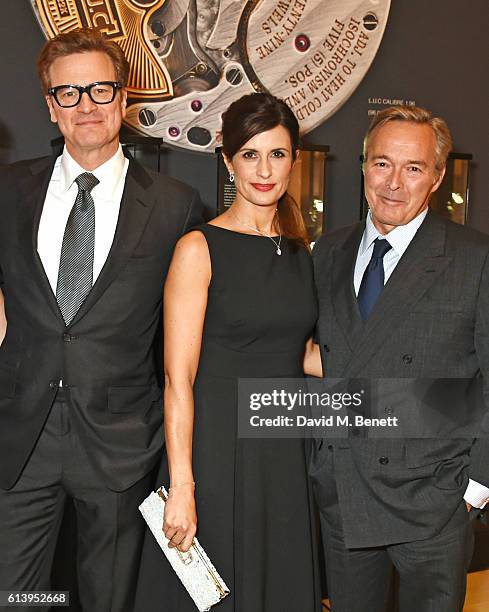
x=373 y=279
x=75 y=274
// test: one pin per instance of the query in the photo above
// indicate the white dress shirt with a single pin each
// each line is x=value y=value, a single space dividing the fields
x=60 y=197
x=476 y=494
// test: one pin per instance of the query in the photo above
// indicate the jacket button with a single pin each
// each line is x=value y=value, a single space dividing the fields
x=389 y=410
x=407 y=359
x=330 y=447
x=326 y=348
x=384 y=460
x=53 y=384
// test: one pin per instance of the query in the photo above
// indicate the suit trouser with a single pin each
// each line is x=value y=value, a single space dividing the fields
x=432 y=572
x=110 y=528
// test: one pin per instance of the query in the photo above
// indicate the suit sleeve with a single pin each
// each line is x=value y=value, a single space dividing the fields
x=195 y=215
x=320 y=255
x=316 y=257
x=5 y=189
x=479 y=457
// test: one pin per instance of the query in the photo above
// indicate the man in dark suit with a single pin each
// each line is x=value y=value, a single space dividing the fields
x=85 y=242
x=403 y=295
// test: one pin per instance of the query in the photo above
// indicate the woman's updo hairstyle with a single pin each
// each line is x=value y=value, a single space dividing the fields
x=251 y=115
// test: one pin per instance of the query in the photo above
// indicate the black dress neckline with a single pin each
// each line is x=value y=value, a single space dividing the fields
x=225 y=229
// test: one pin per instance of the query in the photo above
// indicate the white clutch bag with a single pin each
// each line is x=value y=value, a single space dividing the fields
x=194 y=567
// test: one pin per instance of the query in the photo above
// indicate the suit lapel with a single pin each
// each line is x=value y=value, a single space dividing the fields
x=419 y=267
x=30 y=205
x=135 y=209
x=342 y=289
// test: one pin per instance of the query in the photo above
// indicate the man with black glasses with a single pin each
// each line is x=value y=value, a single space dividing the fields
x=85 y=242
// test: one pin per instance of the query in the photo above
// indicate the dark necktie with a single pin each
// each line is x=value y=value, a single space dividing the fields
x=373 y=279
x=75 y=274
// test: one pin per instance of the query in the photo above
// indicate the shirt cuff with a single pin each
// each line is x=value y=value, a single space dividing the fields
x=476 y=495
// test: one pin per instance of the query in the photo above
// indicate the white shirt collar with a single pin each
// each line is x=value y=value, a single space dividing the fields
x=109 y=173
x=399 y=238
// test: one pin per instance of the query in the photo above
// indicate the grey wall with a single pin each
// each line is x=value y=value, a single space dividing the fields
x=435 y=52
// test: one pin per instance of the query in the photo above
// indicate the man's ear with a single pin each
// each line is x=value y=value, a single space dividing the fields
x=123 y=102
x=52 y=108
x=438 y=180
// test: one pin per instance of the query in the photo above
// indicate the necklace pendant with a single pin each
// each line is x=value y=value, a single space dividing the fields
x=279 y=251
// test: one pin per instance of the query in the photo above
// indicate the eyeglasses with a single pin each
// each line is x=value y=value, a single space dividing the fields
x=101 y=92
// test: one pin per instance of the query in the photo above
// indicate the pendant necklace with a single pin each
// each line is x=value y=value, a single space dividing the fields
x=255 y=229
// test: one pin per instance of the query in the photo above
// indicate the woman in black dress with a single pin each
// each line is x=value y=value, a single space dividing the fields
x=239 y=303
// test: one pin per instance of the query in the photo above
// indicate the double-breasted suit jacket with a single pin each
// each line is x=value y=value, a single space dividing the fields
x=431 y=321
x=105 y=356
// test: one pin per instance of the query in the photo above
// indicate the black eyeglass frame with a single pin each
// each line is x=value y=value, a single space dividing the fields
x=53 y=91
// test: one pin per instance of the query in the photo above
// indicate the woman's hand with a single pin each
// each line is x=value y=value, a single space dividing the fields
x=312 y=360
x=3 y=320
x=180 y=517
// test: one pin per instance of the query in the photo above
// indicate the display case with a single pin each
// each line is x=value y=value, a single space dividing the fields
x=451 y=200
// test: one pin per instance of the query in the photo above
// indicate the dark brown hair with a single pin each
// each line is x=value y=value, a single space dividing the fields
x=251 y=115
x=82 y=40
x=421 y=116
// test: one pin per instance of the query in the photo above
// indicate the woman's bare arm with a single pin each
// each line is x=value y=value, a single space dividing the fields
x=185 y=302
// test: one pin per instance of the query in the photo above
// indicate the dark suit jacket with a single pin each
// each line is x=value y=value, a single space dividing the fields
x=105 y=356
x=431 y=321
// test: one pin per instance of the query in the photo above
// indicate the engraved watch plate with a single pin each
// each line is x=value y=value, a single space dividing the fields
x=191 y=58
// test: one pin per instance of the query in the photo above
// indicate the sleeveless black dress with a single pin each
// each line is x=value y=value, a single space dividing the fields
x=253 y=502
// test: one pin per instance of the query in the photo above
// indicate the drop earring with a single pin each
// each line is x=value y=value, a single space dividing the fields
x=231 y=177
